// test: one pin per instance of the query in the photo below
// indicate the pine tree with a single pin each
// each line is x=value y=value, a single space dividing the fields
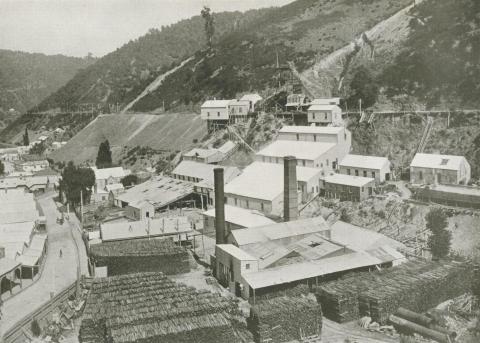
x=26 y=140
x=104 y=156
x=440 y=239
x=209 y=25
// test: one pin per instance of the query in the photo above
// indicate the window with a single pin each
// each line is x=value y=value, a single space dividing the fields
x=239 y=110
x=208 y=114
x=248 y=205
x=345 y=136
x=298 y=137
x=420 y=175
x=313 y=189
x=313 y=115
x=364 y=173
x=317 y=189
x=147 y=214
x=373 y=174
x=314 y=138
x=247 y=266
x=356 y=172
x=235 y=199
x=218 y=114
x=326 y=116
x=321 y=165
x=348 y=171
x=262 y=206
x=303 y=163
x=362 y=189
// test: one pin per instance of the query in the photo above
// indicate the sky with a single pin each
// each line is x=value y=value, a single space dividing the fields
x=77 y=27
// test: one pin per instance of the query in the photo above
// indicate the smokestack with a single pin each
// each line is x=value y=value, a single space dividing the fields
x=220 y=233
x=290 y=193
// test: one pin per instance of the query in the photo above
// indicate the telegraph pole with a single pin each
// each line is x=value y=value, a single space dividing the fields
x=81 y=207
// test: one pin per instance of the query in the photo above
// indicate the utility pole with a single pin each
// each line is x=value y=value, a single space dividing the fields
x=81 y=207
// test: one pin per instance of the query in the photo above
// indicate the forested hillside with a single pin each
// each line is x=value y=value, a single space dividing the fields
x=437 y=66
x=121 y=75
x=301 y=32
x=440 y=62
x=26 y=78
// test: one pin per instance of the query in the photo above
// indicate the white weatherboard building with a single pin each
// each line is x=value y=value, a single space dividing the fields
x=443 y=169
x=348 y=187
x=105 y=177
x=339 y=137
x=259 y=259
x=202 y=176
x=260 y=187
x=375 y=167
x=308 y=154
x=324 y=112
x=253 y=100
x=215 y=110
x=235 y=218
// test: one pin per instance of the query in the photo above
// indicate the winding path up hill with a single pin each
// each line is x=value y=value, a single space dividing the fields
x=160 y=132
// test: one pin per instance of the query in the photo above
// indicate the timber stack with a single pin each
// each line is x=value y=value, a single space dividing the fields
x=416 y=286
x=285 y=319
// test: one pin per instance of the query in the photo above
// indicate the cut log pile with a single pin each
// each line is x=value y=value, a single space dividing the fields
x=285 y=319
x=142 y=255
x=149 y=307
x=417 y=286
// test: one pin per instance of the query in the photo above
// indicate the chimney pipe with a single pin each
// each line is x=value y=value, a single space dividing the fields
x=290 y=193
x=220 y=233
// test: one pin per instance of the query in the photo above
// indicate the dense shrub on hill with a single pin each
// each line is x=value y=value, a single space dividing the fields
x=440 y=60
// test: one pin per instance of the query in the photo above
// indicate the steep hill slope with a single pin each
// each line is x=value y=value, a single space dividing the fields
x=160 y=132
x=300 y=33
x=26 y=79
x=122 y=75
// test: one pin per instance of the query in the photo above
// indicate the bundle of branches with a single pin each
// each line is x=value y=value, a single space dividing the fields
x=149 y=307
x=285 y=319
x=202 y=329
x=124 y=257
x=415 y=285
x=418 y=292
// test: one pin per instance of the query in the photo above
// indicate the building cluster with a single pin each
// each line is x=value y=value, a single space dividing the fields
x=219 y=113
x=22 y=238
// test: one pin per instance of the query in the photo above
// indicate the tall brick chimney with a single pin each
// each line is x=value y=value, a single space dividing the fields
x=290 y=193
x=220 y=233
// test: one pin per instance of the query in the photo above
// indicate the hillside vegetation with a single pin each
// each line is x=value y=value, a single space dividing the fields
x=121 y=75
x=159 y=132
x=26 y=78
x=245 y=60
x=436 y=66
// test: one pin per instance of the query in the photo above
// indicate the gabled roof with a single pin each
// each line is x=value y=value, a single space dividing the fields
x=145 y=228
x=325 y=101
x=251 y=97
x=265 y=180
x=204 y=172
x=202 y=153
x=324 y=108
x=114 y=187
x=277 y=231
x=216 y=104
x=450 y=162
x=105 y=173
x=235 y=252
x=227 y=147
x=309 y=269
x=361 y=239
x=348 y=180
x=327 y=130
x=303 y=150
x=363 y=161
x=242 y=217
x=159 y=190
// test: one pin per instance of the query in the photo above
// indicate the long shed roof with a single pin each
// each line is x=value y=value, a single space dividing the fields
x=450 y=162
x=265 y=180
x=303 y=150
x=364 y=161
